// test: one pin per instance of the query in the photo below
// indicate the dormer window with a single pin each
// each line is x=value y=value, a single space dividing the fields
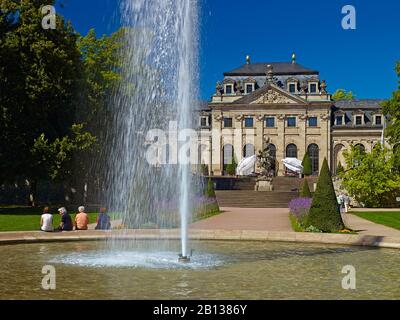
x=358 y=120
x=313 y=83
x=292 y=85
x=378 y=120
x=339 y=120
x=313 y=88
x=249 y=88
x=249 y=85
x=204 y=121
x=229 y=89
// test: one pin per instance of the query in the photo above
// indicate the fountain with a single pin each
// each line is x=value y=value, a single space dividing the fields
x=148 y=175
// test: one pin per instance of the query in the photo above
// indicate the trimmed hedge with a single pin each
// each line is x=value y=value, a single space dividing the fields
x=209 y=191
x=324 y=212
x=306 y=163
x=305 y=191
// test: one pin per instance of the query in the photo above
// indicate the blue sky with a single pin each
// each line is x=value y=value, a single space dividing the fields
x=360 y=60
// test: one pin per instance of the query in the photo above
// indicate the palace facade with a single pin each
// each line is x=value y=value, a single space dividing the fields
x=289 y=106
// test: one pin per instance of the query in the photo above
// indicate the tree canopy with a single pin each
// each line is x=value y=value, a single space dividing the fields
x=370 y=176
x=54 y=84
x=391 y=109
x=342 y=94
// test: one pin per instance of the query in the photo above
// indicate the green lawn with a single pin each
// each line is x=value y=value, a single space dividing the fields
x=389 y=219
x=28 y=219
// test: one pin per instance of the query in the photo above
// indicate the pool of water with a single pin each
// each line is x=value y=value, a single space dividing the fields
x=219 y=270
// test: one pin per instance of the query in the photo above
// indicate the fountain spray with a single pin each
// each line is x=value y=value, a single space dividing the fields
x=159 y=86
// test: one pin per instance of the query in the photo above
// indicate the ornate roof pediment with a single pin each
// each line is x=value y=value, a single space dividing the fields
x=249 y=80
x=313 y=79
x=292 y=79
x=272 y=96
x=229 y=81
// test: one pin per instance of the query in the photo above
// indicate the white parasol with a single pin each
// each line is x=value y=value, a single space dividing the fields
x=293 y=164
x=246 y=166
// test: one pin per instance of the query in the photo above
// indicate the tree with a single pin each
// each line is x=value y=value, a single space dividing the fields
x=339 y=169
x=56 y=157
x=391 y=108
x=231 y=168
x=324 y=213
x=209 y=191
x=306 y=163
x=40 y=77
x=305 y=191
x=101 y=64
x=342 y=94
x=370 y=177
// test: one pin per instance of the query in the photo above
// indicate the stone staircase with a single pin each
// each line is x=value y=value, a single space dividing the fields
x=254 y=199
x=242 y=195
x=292 y=183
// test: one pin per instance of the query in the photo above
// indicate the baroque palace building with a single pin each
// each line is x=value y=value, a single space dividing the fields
x=289 y=106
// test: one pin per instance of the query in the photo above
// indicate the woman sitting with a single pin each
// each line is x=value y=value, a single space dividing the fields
x=81 y=219
x=103 y=220
x=46 y=221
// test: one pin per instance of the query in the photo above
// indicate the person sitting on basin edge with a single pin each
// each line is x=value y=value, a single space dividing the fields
x=103 y=220
x=46 y=221
x=66 y=221
x=81 y=219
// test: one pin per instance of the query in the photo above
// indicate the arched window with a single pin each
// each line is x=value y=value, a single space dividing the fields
x=338 y=157
x=291 y=151
x=228 y=155
x=361 y=147
x=248 y=150
x=313 y=152
x=201 y=154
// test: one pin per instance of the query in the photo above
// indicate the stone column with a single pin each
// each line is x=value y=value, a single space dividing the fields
x=237 y=138
x=281 y=144
x=217 y=160
x=210 y=158
x=325 y=140
x=259 y=136
x=302 y=149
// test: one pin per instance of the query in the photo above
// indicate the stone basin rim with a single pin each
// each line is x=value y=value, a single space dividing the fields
x=10 y=238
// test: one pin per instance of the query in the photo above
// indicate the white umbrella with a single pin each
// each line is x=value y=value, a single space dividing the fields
x=293 y=164
x=246 y=166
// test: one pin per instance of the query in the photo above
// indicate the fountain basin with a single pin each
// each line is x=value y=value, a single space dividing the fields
x=218 y=270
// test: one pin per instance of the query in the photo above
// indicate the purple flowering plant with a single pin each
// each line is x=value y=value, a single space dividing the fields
x=299 y=207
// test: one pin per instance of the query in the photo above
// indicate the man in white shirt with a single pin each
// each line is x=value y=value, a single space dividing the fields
x=46 y=221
